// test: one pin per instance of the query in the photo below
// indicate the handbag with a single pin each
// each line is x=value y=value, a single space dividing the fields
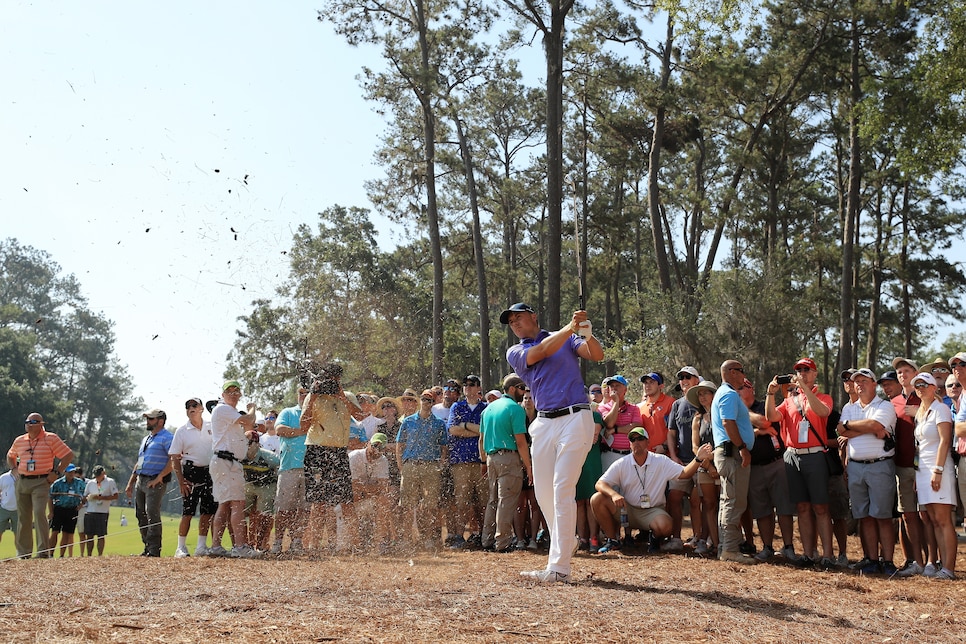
x=832 y=457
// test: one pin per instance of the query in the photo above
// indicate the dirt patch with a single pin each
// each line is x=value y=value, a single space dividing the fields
x=466 y=596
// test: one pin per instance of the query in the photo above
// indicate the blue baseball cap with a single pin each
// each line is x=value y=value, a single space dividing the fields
x=655 y=376
x=618 y=378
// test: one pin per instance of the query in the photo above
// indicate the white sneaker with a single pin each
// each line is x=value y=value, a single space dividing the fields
x=546 y=576
x=217 y=551
x=930 y=570
x=181 y=553
x=202 y=551
x=243 y=552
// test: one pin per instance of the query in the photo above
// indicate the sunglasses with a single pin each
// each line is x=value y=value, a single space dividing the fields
x=429 y=400
x=685 y=376
x=956 y=365
x=802 y=370
x=192 y=405
x=921 y=385
x=388 y=406
x=738 y=369
x=33 y=422
x=954 y=385
x=271 y=417
x=940 y=370
x=635 y=438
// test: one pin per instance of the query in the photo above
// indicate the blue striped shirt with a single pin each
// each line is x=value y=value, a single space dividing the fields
x=153 y=455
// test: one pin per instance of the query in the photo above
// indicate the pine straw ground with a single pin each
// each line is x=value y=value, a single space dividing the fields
x=467 y=596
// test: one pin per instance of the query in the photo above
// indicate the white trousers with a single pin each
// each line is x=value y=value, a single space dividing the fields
x=560 y=446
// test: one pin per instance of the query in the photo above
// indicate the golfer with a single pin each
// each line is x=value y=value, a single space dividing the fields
x=563 y=430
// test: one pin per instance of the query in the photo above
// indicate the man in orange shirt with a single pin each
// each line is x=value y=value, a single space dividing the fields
x=32 y=458
x=655 y=406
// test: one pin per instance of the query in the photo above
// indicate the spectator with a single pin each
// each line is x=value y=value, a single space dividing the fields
x=8 y=503
x=681 y=451
x=388 y=410
x=906 y=404
x=620 y=417
x=469 y=482
x=549 y=363
x=889 y=382
x=328 y=483
x=768 y=487
x=229 y=445
x=370 y=491
x=491 y=395
x=803 y=416
x=958 y=365
x=529 y=518
x=98 y=494
x=588 y=530
x=408 y=403
x=864 y=427
x=503 y=443
x=641 y=478
x=701 y=396
x=37 y=458
x=655 y=406
x=66 y=494
x=421 y=450
x=149 y=479
x=190 y=455
x=81 y=512
x=270 y=440
x=935 y=486
x=261 y=480
x=370 y=421
x=291 y=509
x=596 y=395
x=448 y=514
x=732 y=432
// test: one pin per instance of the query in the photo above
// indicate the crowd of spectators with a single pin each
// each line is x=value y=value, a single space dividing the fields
x=450 y=467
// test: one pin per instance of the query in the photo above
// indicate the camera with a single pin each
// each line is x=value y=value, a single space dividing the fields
x=784 y=380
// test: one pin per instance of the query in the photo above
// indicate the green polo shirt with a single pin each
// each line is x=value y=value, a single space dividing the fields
x=501 y=420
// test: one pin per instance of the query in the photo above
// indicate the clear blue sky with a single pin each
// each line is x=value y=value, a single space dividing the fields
x=127 y=132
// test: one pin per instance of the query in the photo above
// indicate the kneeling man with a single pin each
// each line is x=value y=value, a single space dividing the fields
x=642 y=478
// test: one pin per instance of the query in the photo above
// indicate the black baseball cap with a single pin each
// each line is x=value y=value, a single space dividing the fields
x=519 y=307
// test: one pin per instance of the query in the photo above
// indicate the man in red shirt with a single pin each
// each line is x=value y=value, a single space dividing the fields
x=803 y=417
x=619 y=416
x=655 y=406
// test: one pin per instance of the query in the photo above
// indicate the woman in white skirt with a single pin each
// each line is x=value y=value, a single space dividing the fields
x=935 y=483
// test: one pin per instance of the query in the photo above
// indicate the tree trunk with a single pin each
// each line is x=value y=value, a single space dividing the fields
x=478 y=252
x=654 y=167
x=432 y=211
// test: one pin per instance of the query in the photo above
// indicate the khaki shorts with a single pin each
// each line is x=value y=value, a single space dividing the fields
x=290 y=494
x=228 y=480
x=641 y=518
x=420 y=482
x=906 y=482
x=683 y=485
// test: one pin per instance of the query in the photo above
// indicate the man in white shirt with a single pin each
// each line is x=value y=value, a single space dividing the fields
x=230 y=446
x=642 y=477
x=864 y=426
x=190 y=454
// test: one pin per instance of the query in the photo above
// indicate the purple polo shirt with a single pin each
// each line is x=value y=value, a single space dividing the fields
x=555 y=381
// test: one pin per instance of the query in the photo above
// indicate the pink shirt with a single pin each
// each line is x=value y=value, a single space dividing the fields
x=629 y=414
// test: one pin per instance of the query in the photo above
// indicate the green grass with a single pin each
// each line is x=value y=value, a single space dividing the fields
x=124 y=540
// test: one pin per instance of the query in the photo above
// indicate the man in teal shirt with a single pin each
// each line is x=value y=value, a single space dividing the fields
x=503 y=447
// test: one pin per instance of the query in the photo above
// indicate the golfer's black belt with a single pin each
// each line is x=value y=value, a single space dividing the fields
x=563 y=411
